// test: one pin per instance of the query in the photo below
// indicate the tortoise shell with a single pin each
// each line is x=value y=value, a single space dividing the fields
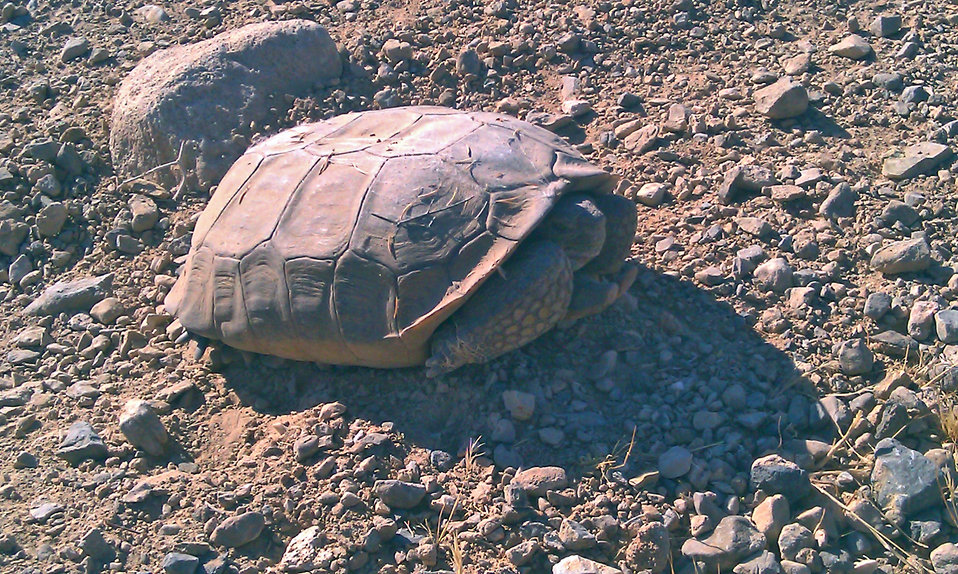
x=349 y=241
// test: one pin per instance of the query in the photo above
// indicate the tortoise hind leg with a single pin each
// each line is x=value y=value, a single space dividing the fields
x=527 y=299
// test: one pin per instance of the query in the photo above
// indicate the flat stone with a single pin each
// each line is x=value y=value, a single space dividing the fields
x=580 y=565
x=399 y=494
x=786 y=193
x=236 y=531
x=894 y=344
x=782 y=100
x=65 y=296
x=903 y=481
x=179 y=563
x=675 y=462
x=45 y=511
x=776 y=475
x=733 y=539
x=909 y=255
x=853 y=47
x=538 y=480
x=80 y=443
x=918 y=159
x=642 y=140
x=885 y=25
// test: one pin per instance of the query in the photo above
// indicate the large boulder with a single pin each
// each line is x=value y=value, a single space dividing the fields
x=207 y=94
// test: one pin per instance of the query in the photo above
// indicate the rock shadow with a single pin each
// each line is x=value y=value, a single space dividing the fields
x=670 y=366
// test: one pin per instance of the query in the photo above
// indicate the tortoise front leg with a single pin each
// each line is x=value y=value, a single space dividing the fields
x=509 y=310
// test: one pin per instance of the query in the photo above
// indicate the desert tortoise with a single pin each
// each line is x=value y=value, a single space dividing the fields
x=405 y=236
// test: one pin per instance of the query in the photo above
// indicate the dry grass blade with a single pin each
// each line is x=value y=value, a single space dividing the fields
x=474 y=449
x=908 y=559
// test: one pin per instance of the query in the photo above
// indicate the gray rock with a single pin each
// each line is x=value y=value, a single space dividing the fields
x=399 y=494
x=642 y=140
x=915 y=160
x=94 y=545
x=781 y=100
x=33 y=337
x=538 y=480
x=945 y=559
x=897 y=211
x=776 y=475
x=12 y=234
x=793 y=538
x=80 y=443
x=675 y=462
x=50 y=219
x=19 y=268
x=574 y=536
x=65 y=296
x=650 y=549
x=744 y=179
x=774 y=275
x=789 y=567
x=229 y=82
x=73 y=48
x=580 y=565
x=144 y=211
x=45 y=511
x=894 y=344
x=236 y=531
x=521 y=405
x=854 y=357
x=178 y=563
x=903 y=480
x=651 y=194
x=885 y=25
x=733 y=539
x=921 y=319
x=946 y=325
x=107 y=311
x=840 y=202
x=764 y=563
x=152 y=14
x=141 y=426
x=306 y=551
x=904 y=256
x=877 y=305
x=853 y=47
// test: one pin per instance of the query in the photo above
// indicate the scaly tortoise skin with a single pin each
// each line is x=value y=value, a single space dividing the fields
x=386 y=238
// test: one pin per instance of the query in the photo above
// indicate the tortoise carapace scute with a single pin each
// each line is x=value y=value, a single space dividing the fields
x=351 y=240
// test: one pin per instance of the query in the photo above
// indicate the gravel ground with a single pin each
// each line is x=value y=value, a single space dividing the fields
x=774 y=395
